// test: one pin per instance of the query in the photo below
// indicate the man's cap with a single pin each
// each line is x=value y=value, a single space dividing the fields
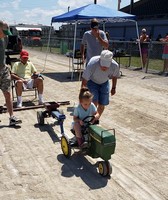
x=106 y=58
x=94 y=23
x=24 y=54
x=143 y=30
x=4 y=26
x=7 y=32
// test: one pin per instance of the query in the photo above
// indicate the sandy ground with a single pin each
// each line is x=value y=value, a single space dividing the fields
x=32 y=165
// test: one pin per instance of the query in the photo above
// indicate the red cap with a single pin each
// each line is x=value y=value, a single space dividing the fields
x=24 y=54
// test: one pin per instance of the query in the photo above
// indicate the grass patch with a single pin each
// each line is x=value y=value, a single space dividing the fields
x=155 y=64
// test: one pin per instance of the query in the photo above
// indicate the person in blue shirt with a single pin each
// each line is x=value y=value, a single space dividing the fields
x=84 y=108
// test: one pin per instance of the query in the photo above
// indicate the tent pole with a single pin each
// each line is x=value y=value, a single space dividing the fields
x=74 y=50
x=139 y=43
x=48 y=43
x=104 y=26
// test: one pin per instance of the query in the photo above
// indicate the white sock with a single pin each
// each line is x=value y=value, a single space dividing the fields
x=19 y=98
x=40 y=97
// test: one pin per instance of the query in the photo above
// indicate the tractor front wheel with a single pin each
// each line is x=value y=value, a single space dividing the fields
x=65 y=146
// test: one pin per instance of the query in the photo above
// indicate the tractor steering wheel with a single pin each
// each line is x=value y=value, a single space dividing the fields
x=88 y=121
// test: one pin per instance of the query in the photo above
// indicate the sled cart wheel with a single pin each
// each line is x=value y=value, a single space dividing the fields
x=40 y=117
x=65 y=146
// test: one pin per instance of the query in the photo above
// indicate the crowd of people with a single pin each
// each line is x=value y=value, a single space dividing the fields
x=100 y=67
x=95 y=86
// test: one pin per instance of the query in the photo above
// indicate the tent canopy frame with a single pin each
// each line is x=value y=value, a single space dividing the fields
x=90 y=11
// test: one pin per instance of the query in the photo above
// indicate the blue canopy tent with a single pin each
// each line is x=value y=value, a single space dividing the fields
x=90 y=11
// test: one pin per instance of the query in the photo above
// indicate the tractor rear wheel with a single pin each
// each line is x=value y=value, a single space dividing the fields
x=109 y=168
x=102 y=167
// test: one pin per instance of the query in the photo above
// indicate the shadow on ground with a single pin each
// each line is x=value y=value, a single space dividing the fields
x=7 y=126
x=62 y=76
x=26 y=103
x=79 y=166
x=49 y=129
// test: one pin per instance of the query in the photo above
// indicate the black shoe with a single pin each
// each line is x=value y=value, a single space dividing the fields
x=84 y=145
x=14 y=121
x=166 y=73
x=161 y=73
x=73 y=144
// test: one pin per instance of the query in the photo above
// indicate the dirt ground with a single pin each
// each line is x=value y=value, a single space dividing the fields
x=32 y=165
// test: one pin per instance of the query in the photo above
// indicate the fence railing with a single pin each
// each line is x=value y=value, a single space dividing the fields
x=155 y=62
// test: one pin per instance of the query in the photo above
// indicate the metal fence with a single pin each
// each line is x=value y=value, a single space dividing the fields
x=155 y=62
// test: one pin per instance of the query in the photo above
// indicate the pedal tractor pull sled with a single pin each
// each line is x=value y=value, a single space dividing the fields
x=101 y=144
x=51 y=110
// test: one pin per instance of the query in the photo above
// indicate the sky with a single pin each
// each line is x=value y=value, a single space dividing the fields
x=41 y=11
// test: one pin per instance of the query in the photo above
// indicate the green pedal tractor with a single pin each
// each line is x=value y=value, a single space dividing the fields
x=101 y=144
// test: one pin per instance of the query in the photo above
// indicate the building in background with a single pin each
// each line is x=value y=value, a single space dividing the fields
x=151 y=14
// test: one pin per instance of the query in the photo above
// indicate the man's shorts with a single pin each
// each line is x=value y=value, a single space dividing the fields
x=100 y=92
x=29 y=85
x=5 y=80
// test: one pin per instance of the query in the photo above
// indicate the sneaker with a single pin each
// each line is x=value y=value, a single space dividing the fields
x=40 y=102
x=19 y=104
x=13 y=121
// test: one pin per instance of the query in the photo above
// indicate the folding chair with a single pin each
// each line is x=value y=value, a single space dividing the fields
x=14 y=93
x=77 y=64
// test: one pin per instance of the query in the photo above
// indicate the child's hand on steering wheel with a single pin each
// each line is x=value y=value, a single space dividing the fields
x=81 y=122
